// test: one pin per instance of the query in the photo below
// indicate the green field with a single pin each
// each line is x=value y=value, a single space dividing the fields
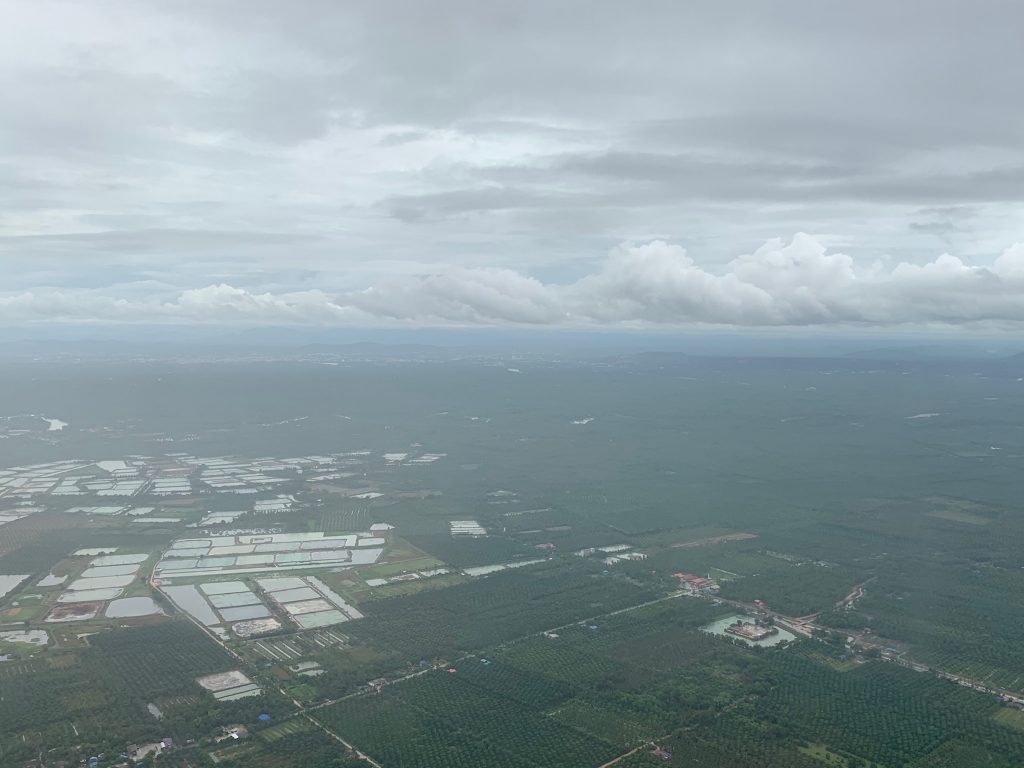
x=555 y=664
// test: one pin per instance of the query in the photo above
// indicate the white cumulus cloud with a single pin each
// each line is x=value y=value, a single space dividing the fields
x=782 y=283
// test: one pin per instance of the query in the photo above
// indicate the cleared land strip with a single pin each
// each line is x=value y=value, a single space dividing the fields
x=633 y=751
x=715 y=540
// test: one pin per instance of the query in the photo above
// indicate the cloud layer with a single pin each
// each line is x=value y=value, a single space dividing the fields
x=242 y=160
x=794 y=283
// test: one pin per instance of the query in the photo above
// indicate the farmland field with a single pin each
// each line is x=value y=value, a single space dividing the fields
x=897 y=540
x=160 y=660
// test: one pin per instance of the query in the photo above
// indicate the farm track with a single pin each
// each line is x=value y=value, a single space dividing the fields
x=633 y=751
x=336 y=737
x=661 y=739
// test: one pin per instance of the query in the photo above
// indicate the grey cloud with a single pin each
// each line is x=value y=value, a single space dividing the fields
x=943 y=222
x=623 y=181
x=276 y=108
x=649 y=166
x=398 y=137
x=139 y=241
x=858 y=136
x=482 y=141
x=411 y=208
x=466 y=296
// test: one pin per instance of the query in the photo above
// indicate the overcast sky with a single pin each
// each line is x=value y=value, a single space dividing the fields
x=561 y=163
